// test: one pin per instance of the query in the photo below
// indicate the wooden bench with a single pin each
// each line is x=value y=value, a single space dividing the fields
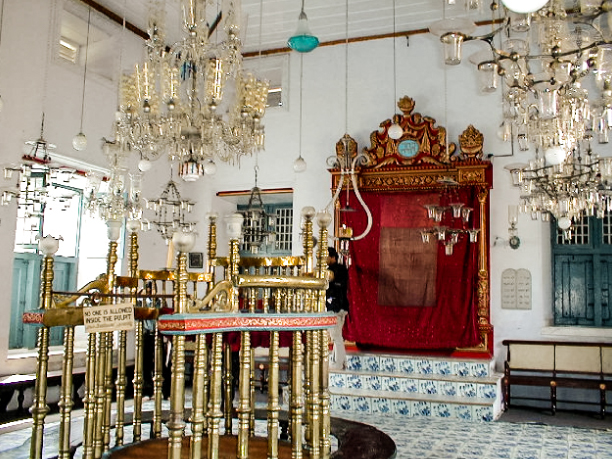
x=556 y=364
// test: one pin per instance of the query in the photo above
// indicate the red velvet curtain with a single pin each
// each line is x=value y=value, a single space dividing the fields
x=449 y=319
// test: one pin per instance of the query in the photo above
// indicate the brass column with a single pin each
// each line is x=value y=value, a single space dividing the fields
x=244 y=402
x=198 y=403
x=49 y=247
x=325 y=409
x=176 y=424
x=214 y=414
x=273 y=406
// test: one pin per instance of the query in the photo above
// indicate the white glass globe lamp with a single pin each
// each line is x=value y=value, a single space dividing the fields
x=79 y=142
x=144 y=165
x=210 y=168
x=299 y=165
x=524 y=6
x=564 y=223
x=395 y=131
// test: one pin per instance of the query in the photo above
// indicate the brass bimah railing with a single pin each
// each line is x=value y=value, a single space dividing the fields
x=202 y=321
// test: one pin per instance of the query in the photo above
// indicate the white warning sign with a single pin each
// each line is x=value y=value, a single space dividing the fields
x=108 y=317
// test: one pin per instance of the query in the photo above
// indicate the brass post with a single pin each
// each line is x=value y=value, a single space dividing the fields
x=100 y=373
x=121 y=381
x=308 y=244
x=273 y=406
x=108 y=364
x=89 y=400
x=199 y=399
x=212 y=245
x=138 y=380
x=228 y=384
x=39 y=408
x=214 y=413
x=314 y=397
x=324 y=338
x=65 y=402
x=252 y=390
x=158 y=382
x=296 y=405
x=245 y=391
x=176 y=423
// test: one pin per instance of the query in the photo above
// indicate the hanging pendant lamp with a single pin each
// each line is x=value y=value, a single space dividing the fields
x=303 y=41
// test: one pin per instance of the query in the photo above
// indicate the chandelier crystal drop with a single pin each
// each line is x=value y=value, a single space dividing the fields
x=580 y=186
x=120 y=198
x=193 y=100
x=554 y=61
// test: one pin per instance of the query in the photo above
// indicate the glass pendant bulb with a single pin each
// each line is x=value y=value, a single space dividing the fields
x=524 y=6
x=299 y=165
x=303 y=41
x=395 y=131
x=79 y=142
x=144 y=165
x=210 y=168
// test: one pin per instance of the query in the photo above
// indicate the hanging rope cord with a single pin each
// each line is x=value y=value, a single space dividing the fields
x=85 y=69
x=353 y=176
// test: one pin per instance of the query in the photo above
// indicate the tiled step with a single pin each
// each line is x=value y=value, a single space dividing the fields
x=417 y=386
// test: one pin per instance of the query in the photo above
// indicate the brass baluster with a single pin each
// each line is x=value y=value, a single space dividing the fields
x=246 y=391
x=273 y=406
x=325 y=408
x=89 y=401
x=296 y=406
x=176 y=423
x=228 y=384
x=215 y=414
x=158 y=377
x=39 y=406
x=65 y=402
x=252 y=381
x=138 y=381
x=199 y=398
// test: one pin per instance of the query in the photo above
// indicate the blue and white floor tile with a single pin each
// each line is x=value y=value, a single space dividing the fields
x=427 y=438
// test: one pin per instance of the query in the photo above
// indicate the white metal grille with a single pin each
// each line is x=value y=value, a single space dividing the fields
x=284 y=228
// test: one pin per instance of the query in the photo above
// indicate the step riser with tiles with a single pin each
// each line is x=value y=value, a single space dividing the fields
x=417 y=386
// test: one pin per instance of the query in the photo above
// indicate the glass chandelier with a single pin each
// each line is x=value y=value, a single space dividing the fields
x=555 y=64
x=170 y=212
x=192 y=100
x=122 y=197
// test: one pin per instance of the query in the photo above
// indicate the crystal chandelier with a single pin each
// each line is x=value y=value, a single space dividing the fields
x=546 y=60
x=555 y=63
x=192 y=100
x=580 y=186
x=121 y=199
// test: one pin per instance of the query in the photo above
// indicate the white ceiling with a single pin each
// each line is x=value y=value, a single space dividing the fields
x=327 y=18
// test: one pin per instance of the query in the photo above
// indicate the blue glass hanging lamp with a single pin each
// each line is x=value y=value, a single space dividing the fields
x=303 y=41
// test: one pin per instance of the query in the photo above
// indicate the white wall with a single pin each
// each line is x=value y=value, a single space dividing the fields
x=448 y=94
